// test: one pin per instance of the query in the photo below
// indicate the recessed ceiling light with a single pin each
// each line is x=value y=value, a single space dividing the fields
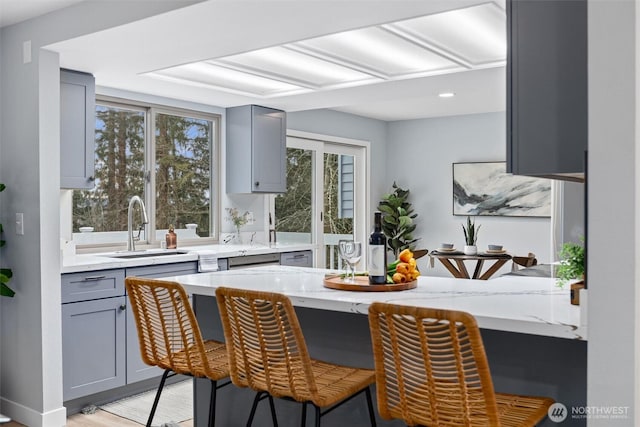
x=446 y=95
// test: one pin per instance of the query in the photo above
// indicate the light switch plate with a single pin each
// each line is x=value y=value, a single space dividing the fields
x=20 y=223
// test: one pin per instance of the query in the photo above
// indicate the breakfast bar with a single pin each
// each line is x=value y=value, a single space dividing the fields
x=533 y=336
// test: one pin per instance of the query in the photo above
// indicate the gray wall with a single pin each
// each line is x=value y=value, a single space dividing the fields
x=420 y=154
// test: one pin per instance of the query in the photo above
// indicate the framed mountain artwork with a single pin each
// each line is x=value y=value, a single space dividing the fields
x=484 y=188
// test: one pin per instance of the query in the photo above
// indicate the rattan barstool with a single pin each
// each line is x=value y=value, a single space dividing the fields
x=170 y=338
x=432 y=370
x=268 y=353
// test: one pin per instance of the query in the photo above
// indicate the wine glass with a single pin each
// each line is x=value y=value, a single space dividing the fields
x=351 y=252
x=342 y=244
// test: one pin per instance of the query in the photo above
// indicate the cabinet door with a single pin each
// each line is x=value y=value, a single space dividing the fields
x=77 y=129
x=547 y=87
x=93 y=346
x=297 y=259
x=256 y=150
x=269 y=151
x=137 y=370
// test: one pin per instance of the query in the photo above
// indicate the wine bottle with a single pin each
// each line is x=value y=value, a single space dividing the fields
x=377 y=259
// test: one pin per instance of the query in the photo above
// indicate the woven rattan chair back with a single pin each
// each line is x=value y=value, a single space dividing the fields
x=166 y=326
x=432 y=370
x=267 y=349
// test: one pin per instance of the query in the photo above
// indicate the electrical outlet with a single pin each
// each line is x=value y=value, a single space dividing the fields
x=250 y=218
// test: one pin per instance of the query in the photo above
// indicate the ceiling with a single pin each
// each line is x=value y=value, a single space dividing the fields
x=173 y=55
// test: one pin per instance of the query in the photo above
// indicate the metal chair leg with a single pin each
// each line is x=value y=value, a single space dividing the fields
x=303 y=419
x=372 y=415
x=157 y=399
x=318 y=415
x=253 y=408
x=273 y=411
x=212 y=404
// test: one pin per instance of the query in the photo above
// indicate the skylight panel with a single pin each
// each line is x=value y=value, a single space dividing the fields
x=378 y=50
x=296 y=67
x=477 y=33
x=215 y=76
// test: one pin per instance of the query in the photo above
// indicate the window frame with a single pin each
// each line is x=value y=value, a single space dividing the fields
x=150 y=111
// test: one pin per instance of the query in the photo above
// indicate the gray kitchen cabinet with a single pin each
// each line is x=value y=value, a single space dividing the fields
x=256 y=150
x=93 y=346
x=77 y=129
x=297 y=259
x=137 y=370
x=547 y=88
x=100 y=349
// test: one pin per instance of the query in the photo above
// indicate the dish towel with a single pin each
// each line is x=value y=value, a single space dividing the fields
x=207 y=261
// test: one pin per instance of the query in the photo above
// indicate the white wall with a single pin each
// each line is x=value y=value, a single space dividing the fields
x=419 y=157
x=612 y=276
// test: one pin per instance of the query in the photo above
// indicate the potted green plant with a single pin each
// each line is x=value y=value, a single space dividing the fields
x=397 y=220
x=470 y=236
x=5 y=273
x=572 y=262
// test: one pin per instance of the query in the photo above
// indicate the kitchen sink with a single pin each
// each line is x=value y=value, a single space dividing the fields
x=143 y=254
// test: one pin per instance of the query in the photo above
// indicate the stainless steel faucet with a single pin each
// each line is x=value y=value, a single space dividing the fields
x=131 y=240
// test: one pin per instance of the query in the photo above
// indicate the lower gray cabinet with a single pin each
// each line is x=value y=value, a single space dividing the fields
x=137 y=370
x=297 y=259
x=100 y=349
x=93 y=346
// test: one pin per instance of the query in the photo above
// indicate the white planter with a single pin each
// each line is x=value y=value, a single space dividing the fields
x=470 y=249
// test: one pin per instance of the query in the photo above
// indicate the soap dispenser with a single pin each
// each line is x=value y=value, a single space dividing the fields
x=171 y=238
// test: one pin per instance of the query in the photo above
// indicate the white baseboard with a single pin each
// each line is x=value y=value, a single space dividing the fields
x=32 y=418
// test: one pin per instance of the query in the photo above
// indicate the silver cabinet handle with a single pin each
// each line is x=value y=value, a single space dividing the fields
x=93 y=278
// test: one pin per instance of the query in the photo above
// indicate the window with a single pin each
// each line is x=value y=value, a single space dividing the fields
x=177 y=189
x=325 y=198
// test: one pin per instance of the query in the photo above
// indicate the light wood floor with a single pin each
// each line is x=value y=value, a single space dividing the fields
x=99 y=419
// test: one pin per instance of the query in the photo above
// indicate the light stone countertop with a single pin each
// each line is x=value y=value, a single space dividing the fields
x=529 y=305
x=103 y=261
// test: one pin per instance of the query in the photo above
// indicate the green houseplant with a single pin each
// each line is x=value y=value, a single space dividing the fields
x=397 y=220
x=5 y=273
x=470 y=236
x=572 y=262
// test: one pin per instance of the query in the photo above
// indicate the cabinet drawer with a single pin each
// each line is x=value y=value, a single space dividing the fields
x=92 y=285
x=163 y=270
x=297 y=259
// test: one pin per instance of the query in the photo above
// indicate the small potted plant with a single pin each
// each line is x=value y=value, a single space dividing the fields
x=572 y=266
x=238 y=220
x=470 y=237
x=571 y=262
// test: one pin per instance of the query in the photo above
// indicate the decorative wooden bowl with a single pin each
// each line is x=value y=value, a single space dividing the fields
x=362 y=285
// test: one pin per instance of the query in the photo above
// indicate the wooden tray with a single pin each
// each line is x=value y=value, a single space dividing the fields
x=362 y=285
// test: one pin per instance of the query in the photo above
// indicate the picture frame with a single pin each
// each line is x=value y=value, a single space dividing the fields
x=486 y=189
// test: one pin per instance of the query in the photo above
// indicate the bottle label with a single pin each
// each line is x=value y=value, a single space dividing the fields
x=376 y=260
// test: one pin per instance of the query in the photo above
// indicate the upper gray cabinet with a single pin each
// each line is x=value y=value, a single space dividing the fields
x=256 y=150
x=77 y=128
x=547 y=88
